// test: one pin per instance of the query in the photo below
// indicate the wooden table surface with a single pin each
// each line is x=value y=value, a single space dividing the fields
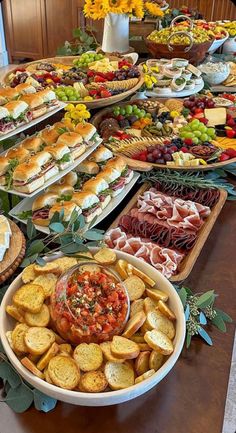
x=191 y=398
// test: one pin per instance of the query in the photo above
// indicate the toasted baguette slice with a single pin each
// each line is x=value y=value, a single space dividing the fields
x=144 y=376
x=155 y=360
x=48 y=282
x=14 y=312
x=157 y=320
x=59 y=339
x=64 y=372
x=105 y=256
x=34 y=358
x=120 y=267
x=142 y=363
x=94 y=269
x=149 y=305
x=44 y=360
x=135 y=287
x=159 y=342
x=49 y=268
x=144 y=328
x=106 y=350
x=31 y=367
x=88 y=356
x=119 y=376
x=164 y=309
x=134 y=324
x=157 y=295
x=28 y=274
x=123 y=348
x=144 y=347
x=138 y=338
x=39 y=339
x=38 y=319
x=65 y=263
x=136 y=307
x=65 y=348
x=131 y=270
x=29 y=297
x=85 y=254
x=93 y=381
x=18 y=338
x=47 y=377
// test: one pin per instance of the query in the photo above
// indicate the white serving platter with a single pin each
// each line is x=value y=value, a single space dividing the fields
x=58 y=176
x=160 y=94
x=26 y=204
x=33 y=122
x=102 y=398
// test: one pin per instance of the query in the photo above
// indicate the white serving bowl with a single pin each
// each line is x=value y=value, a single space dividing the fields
x=105 y=398
x=215 y=77
x=217 y=43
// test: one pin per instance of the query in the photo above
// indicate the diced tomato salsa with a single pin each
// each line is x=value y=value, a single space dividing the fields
x=92 y=308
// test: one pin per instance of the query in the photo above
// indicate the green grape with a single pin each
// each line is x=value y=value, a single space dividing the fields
x=100 y=56
x=204 y=137
x=189 y=135
x=195 y=122
x=129 y=109
x=195 y=140
x=60 y=94
x=149 y=115
x=136 y=111
x=184 y=134
x=122 y=111
x=202 y=128
x=197 y=133
x=134 y=107
x=211 y=132
x=64 y=98
x=73 y=98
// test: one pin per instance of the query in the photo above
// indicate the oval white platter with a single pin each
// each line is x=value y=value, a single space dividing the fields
x=159 y=94
x=26 y=204
x=58 y=176
x=103 y=398
x=33 y=122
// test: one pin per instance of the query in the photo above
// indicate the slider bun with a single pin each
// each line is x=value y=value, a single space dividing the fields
x=88 y=167
x=25 y=88
x=49 y=136
x=32 y=144
x=34 y=100
x=15 y=108
x=95 y=185
x=41 y=157
x=19 y=153
x=110 y=174
x=101 y=154
x=47 y=199
x=9 y=93
x=3 y=111
x=62 y=125
x=68 y=207
x=86 y=130
x=48 y=95
x=69 y=179
x=25 y=171
x=4 y=165
x=85 y=199
x=61 y=189
x=71 y=139
x=57 y=151
x=118 y=163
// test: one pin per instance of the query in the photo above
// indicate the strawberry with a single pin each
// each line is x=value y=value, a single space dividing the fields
x=204 y=120
x=120 y=117
x=90 y=73
x=184 y=149
x=198 y=110
x=224 y=157
x=198 y=115
x=231 y=122
x=99 y=79
x=110 y=76
x=230 y=133
x=188 y=141
x=231 y=152
x=106 y=94
x=93 y=92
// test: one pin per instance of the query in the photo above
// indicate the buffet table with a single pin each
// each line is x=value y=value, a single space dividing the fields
x=192 y=397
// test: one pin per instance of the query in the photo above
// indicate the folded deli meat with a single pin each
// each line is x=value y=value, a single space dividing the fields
x=160 y=229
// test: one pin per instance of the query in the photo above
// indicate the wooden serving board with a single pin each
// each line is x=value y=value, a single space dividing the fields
x=188 y=262
x=15 y=253
x=147 y=166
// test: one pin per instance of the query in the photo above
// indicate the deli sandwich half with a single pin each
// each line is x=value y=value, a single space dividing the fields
x=41 y=207
x=27 y=177
x=119 y=164
x=99 y=187
x=101 y=155
x=61 y=154
x=88 y=132
x=89 y=203
x=75 y=143
x=47 y=164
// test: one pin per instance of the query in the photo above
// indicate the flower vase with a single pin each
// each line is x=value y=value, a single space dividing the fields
x=116 y=33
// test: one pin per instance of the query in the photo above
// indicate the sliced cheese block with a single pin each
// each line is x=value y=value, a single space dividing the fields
x=194 y=70
x=4 y=240
x=215 y=116
x=2 y=252
x=134 y=132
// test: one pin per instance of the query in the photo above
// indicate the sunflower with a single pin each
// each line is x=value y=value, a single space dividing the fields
x=96 y=9
x=153 y=9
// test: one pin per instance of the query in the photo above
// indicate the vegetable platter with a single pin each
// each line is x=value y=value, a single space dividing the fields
x=196 y=133
x=92 y=78
x=99 y=366
x=148 y=227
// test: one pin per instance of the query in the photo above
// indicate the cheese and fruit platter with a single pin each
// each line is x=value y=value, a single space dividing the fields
x=93 y=78
x=60 y=335
x=187 y=134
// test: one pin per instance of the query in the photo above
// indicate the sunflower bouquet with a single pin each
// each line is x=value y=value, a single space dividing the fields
x=98 y=9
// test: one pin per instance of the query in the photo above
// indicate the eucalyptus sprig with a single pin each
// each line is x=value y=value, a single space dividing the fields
x=210 y=180
x=199 y=311
x=66 y=237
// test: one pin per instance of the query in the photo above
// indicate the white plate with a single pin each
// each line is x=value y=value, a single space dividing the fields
x=103 y=398
x=33 y=122
x=26 y=204
x=217 y=44
x=58 y=176
x=182 y=94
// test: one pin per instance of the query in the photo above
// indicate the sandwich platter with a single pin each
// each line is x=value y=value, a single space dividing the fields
x=161 y=93
x=58 y=176
x=26 y=205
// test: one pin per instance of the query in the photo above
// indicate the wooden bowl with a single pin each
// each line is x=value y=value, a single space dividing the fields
x=195 y=55
x=14 y=255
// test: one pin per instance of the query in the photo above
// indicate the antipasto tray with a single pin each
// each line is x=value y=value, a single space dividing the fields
x=189 y=242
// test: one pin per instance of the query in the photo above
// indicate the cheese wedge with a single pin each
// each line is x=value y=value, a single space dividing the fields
x=215 y=116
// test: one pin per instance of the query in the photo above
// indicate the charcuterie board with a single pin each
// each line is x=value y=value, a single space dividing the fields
x=190 y=258
x=14 y=254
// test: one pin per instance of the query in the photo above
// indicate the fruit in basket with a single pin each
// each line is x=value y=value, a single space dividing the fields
x=85 y=59
x=197 y=132
x=161 y=36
